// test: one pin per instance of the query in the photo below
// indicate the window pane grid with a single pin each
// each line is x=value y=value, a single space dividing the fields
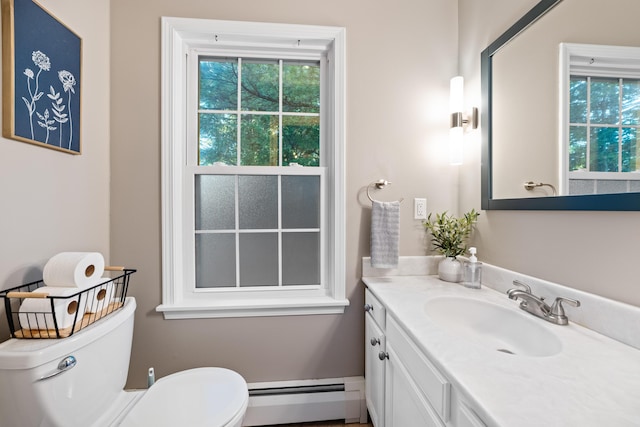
x=604 y=124
x=287 y=142
x=284 y=278
x=265 y=136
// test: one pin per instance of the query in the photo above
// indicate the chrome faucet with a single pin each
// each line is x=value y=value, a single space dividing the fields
x=536 y=305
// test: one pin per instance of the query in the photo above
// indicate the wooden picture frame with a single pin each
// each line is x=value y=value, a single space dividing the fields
x=41 y=78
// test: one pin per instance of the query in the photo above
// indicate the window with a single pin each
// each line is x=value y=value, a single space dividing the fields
x=601 y=105
x=604 y=120
x=253 y=158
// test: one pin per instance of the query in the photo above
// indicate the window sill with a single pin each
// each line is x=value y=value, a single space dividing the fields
x=253 y=308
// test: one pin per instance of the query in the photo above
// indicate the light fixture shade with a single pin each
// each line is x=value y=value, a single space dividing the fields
x=456 y=132
x=456 y=152
x=456 y=95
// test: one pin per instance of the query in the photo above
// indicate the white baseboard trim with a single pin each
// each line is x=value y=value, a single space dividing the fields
x=284 y=402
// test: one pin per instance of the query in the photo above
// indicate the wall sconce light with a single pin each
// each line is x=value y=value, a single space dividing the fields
x=459 y=123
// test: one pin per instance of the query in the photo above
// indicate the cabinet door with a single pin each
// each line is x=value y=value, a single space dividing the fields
x=374 y=370
x=405 y=405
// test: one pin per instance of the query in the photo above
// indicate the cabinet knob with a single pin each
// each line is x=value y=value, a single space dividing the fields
x=368 y=307
x=375 y=341
x=383 y=355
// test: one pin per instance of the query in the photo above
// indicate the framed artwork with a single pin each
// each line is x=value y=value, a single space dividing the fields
x=41 y=76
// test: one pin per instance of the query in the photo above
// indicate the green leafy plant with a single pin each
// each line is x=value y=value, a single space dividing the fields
x=448 y=233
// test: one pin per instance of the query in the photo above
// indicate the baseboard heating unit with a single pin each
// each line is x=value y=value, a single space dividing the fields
x=285 y=402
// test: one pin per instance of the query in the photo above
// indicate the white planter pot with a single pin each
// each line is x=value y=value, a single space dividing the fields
x=450 y=270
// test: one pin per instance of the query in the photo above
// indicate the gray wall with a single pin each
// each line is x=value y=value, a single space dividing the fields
x=400 y=57
x=592 y=251
x=52 y=201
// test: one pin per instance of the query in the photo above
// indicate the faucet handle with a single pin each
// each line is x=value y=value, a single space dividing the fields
x=526 y=287
x=558 y=310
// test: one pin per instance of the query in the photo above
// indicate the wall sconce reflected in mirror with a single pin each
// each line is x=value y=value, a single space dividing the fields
x=459 y=122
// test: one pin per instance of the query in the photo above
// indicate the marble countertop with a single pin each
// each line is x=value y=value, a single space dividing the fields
x=592 y=381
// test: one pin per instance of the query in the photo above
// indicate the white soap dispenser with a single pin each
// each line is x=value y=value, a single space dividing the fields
x=472 y=271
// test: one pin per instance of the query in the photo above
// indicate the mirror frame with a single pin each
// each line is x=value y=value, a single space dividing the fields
x=593 y=202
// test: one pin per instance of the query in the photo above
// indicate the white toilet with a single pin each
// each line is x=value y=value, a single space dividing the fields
x=78 y=382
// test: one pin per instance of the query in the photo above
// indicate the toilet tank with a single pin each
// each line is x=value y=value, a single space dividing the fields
x=77 y=396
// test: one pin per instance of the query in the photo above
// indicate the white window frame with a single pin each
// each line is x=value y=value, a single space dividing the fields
x=180 y=299
x=593 y=61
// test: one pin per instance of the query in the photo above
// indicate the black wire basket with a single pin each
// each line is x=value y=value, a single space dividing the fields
x=41 y=314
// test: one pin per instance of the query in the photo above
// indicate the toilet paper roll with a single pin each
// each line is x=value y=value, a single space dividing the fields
x=74 y=269
x=35 y=313
x=99 y=298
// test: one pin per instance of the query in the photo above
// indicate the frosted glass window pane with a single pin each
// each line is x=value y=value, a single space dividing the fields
x=258 y=202
x=215 y=260
x=258 y=259
x=300 y=202
x=215 y=202
x=300 y=258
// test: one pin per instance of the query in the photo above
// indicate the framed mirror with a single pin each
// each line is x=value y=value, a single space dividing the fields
x=522 y=116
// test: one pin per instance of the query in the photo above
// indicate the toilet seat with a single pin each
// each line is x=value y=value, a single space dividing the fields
x=212 y=397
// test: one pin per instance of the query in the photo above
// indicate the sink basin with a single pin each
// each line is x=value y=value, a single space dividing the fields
x=493 y=326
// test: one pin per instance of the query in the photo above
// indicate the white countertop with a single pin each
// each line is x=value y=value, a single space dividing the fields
x=593 y=381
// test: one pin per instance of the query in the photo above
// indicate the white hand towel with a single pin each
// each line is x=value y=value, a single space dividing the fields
x=385 y=233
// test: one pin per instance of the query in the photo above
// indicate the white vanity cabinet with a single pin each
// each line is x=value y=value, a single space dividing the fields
x=375 y=351
x=406 y=389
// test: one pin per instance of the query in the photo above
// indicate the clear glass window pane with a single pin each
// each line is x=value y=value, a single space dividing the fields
x=215 y=202
x=630 y=146
x=604 y=150
x=259 y=140
x=577 y=148
x=215 y=260
x=605 y=100
x=300 y=202
x=218 y=84
x=217 y=138
x=258 y=202
x=578 y=99
x=260 y=85
x=301 y=87
x=631 y=102
x=258 y=259
x=301 y=140
x=300 y=258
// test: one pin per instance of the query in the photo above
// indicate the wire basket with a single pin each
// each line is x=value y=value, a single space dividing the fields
x=33 y=314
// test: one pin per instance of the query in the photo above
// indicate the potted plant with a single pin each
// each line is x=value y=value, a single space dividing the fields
x=448 y=236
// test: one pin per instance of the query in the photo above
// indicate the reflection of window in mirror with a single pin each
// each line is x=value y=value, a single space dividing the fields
x=600 y=131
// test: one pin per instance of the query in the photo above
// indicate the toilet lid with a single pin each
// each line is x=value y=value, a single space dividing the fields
x=195 y=397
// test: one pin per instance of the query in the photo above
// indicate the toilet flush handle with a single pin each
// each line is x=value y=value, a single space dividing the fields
x=64 y=365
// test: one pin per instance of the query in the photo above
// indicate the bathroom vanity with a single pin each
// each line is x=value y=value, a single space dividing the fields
x=439 y=354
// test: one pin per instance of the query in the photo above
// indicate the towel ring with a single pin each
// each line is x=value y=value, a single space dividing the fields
x=379 y=184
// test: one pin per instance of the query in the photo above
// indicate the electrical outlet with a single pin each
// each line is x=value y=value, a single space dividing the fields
x=419 y=208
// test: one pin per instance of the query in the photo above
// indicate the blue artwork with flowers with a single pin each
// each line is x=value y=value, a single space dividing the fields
x=47 y=59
